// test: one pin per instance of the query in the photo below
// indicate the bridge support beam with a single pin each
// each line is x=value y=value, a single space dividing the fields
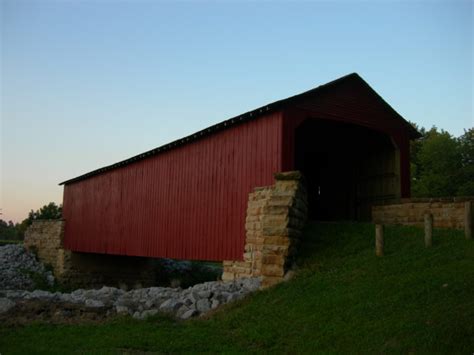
x=45 y=239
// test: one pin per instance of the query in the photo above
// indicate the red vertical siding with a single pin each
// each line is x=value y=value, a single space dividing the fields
x=188 y=202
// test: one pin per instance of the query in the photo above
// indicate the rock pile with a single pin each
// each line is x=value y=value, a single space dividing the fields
x=141 y=303
x=18 y=267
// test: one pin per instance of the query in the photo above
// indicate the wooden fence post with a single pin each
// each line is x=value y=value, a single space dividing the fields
x=468 y=220
x=379 y=239
x=428 y=230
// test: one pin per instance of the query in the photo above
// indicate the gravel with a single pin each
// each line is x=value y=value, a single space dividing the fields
x=17 y=267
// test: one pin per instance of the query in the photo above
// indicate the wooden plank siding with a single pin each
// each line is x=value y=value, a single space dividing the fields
x=188 y=199
x=187 y=203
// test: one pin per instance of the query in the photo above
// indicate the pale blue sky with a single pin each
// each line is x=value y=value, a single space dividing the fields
x=88 y=83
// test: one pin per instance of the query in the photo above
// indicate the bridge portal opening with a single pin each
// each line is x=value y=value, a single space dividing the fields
x=347 y=168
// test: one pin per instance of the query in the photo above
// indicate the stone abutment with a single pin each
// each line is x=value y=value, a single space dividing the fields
x=275 y=219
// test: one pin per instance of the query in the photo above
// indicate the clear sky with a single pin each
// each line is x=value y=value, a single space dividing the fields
x=87 y=83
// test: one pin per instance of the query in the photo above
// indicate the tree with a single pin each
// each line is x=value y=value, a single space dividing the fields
x=8 y=230
x=438 y=167
x=49 y=211
x=466 y=147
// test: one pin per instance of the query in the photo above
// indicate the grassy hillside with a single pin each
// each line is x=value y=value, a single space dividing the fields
x=343 y=300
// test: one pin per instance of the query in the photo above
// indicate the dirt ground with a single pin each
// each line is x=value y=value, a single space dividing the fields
x=27 y=311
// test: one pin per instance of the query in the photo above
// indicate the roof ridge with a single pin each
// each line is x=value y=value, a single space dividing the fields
x=249 y=115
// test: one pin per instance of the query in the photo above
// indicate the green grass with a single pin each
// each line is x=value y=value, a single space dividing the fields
x=343 y=300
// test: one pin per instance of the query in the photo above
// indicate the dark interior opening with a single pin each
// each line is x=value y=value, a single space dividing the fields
x=346 y=167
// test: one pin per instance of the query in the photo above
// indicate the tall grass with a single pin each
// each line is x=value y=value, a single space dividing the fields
x=342 y=300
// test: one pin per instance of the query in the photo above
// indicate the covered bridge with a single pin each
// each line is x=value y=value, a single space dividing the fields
x=188 y=199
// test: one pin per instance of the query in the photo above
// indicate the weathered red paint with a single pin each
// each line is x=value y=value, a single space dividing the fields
x=189 y=202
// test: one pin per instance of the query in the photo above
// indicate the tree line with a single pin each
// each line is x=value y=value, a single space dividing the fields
x=16 y=231
x=441 y=165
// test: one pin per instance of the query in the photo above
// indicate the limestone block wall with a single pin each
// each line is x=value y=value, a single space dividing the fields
x=44 y=237
x=276 y=215
x=447 y=212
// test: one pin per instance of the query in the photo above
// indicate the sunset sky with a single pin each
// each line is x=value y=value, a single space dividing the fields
x=88 y=83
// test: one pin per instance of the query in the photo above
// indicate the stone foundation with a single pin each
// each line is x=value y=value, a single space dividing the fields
x=276 y=216
x=447 y=212
x=45 y=237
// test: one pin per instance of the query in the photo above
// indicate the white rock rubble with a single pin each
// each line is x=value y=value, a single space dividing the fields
x=17 y=266
x=142 y=303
